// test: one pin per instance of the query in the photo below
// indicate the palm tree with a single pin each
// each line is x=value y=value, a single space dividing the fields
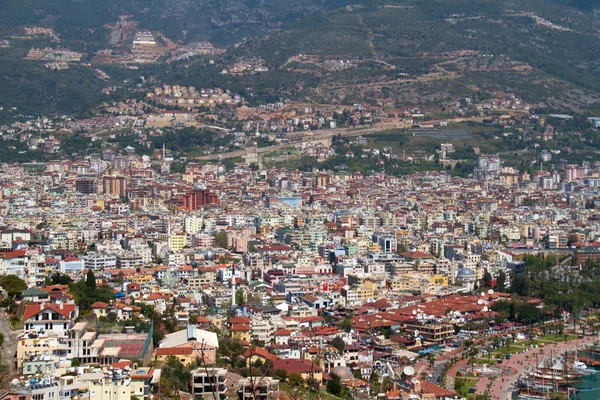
x=387 y=384
x=496 y=343
x=431 y=359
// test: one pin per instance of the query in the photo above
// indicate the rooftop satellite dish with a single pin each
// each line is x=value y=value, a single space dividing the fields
x=15 y=382
x=480 y=301
x=408 y=370
x=482 y=294
x=417 y=332
x=491 y=291
x=485 y=309
x=414 y=312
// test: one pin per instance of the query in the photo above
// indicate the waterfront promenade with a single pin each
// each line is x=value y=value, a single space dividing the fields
x=521 y=362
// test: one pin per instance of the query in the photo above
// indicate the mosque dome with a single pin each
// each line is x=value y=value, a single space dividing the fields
x=466 y=275
x=342 y=372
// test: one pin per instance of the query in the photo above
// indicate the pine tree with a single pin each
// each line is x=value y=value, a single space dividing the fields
x=90 y=283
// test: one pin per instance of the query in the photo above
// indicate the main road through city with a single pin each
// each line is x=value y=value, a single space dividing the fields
x=315 y=136
x=310 y=137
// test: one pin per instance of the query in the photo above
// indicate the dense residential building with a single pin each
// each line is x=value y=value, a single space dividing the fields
x=284 y=263
x=114 y=185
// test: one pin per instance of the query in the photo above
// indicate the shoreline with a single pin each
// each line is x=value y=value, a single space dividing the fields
x=520 y=362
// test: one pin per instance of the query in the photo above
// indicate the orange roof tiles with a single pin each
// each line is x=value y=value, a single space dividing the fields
x=240 y=328
x=33 y=309
x=99 y=305
x=259 y=351
x=240 y=320
x=170 y=351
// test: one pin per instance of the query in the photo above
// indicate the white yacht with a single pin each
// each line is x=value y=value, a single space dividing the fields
x=581 y=368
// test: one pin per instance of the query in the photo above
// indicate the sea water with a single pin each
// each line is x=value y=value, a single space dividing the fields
x=590 y=387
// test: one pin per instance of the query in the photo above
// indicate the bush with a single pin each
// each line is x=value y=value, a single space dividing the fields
x=295 y=379
x=281 y=374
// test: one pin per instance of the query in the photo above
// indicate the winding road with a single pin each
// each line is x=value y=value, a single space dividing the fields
x=9 y=348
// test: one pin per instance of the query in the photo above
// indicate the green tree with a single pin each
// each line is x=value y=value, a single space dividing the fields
x=239 y=296
x=295 y=379
x=431 y=360
x=220 y=239
x=281 y=374
x=339 y=344
x=90 y=282
x=520 y=284
x=347 y=324
x=111 y=317
x=61 y=279
x=501 y=282
x=119 y=279
x=401 y=248
x=158 y=334
x=334 y=385
x=84 y=297
x=387 y=384
x=374 y=381
x=487 y=279
x=174 y=377
x=13 y=285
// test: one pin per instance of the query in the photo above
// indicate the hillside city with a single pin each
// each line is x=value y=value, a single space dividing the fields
x=316 y=200
x=121 y=276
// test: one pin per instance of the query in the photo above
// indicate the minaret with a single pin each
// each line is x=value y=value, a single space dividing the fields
x=164 y=152
x=232 y=285
x=169 y=234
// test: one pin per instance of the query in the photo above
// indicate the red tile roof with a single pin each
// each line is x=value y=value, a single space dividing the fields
x=171 y=351
x=295 y=365
x=240 y=320
x=13 y=254
x=121 y=364
x=438 y=391
x=68 y=310
x=57 y=288
x=99 y=305
x=240 y=328
x=259 y=351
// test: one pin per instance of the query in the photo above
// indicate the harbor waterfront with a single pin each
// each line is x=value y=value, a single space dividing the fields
x=522 y=363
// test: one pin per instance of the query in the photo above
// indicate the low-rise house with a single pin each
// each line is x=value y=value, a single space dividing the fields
x=57 y=318
x=100 y=309
x=305 y=368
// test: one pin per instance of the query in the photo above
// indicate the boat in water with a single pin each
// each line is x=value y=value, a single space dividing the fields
x=551 y=378
x=581 y=367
